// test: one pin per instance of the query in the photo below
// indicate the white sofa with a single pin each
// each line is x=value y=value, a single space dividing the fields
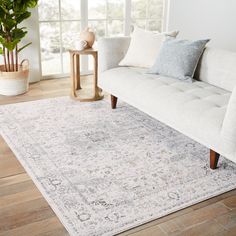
x=204 y=110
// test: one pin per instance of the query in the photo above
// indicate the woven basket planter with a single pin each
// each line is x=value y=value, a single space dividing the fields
x=14 y=83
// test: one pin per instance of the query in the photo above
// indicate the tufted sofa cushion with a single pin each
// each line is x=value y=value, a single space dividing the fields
x=196 y=109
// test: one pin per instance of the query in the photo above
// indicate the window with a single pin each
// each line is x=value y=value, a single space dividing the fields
x=147 y=14
x=62 y=20
x=106 y=17
x=59 y=31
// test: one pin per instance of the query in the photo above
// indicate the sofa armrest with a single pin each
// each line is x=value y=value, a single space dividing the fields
x=111 y=51
x=228 y=131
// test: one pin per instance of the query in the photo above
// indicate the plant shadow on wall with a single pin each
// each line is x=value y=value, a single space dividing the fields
x=14 y=76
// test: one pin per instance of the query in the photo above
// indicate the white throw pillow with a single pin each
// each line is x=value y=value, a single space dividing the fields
x=144 y=48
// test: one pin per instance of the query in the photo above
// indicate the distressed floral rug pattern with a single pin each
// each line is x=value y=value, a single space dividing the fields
x=104 y=171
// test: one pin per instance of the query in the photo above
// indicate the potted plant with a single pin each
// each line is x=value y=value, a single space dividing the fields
x=13 y=75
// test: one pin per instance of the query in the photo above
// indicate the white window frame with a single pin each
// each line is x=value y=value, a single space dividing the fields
x=84 y=22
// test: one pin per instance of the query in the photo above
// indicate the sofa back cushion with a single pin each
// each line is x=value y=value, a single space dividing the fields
x=144 y=47
x=217 y=67
x=111 y=51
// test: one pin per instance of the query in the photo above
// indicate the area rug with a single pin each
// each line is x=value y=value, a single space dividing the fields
x=105 y=171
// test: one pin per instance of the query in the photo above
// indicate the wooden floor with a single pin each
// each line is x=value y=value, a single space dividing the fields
x=24 y=211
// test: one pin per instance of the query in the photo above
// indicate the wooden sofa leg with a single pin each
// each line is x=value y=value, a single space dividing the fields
x=214 y=157
x=113 y=102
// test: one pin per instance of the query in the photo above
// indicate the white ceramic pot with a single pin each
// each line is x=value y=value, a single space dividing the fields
x=81 y=45
x=14 y=83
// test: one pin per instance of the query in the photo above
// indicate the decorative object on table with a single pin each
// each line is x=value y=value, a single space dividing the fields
x=75 y=74
x=81 y=45
x=89 y=36
x=13 y=76
x=104 y=172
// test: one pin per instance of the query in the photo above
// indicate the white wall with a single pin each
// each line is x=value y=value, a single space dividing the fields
x=198 y=19
x=32 y=53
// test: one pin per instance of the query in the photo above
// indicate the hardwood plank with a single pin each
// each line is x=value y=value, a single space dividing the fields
x=194 y=218
x=231 y=232
x=153 y=231
x=45 y=227
x=214 y=200
x=157 y=221
x=9 y=164
x=19 y=197
x=14 y=179
x=16 y=188
x=201 y=215
x=24 y=213
x=171 y=227
x=228 y=221
x=57 y=232
x=204 y=229
x=230 y=202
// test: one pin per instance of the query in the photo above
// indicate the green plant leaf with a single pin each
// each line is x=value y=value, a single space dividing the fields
x=18 y=34
x=23 y=16
x=32 y=3
x=13 y=13
x=3 y=41
x=11 y=45
x=9 y=23
x=20 y=49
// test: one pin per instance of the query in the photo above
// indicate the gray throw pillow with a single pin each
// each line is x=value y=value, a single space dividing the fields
x=179 y=58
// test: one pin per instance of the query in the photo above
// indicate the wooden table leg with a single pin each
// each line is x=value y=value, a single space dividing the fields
x=97 y=91
x=77 y=72
x=73 y=86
